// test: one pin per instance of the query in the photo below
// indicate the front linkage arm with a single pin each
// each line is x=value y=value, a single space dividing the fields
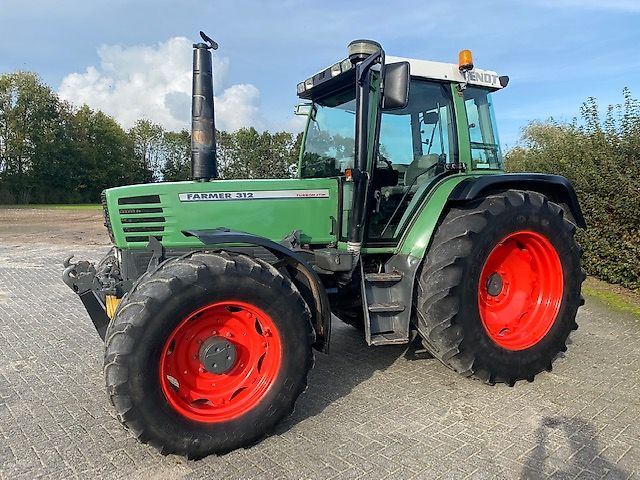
x=81 y=278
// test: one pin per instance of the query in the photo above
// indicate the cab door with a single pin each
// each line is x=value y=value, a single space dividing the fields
x=417 y=145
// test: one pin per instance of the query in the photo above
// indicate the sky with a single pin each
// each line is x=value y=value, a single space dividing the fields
x=132 y=58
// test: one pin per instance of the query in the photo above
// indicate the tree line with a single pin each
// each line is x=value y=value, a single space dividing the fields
x=53 y=152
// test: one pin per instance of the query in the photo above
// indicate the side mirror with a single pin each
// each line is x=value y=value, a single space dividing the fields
x=302 y=109
x=396 y=86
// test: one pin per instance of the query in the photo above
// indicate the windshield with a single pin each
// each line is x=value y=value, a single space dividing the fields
x=483 y=134
x=330 y=139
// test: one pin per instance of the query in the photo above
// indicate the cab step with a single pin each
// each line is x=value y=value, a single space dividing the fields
x=393 y=307
x=392 y=277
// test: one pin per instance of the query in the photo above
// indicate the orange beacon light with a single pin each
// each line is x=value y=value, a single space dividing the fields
x=465 y=60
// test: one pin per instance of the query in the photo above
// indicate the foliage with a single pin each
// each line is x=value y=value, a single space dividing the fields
x=602 y=160
x=53 y=152
x=249 y=154
x=32 y=127
x=148 y=145
x=102 y=157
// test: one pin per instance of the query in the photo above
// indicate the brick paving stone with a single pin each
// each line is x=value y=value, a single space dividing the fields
x=368 y=412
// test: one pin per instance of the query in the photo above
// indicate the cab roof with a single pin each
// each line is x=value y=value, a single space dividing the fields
x=450 y=72
x=341 y=75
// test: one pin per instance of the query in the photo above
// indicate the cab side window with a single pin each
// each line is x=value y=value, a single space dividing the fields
x=485 y=147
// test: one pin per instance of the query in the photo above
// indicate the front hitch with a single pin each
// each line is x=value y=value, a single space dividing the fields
x=81 y=278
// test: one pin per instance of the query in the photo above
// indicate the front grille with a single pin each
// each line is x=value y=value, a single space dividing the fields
x=142 y=229
x=142 y=219
x=139 y=199
x=134 y=211
x=142 y=238
x=136 y=216
x=105 y=213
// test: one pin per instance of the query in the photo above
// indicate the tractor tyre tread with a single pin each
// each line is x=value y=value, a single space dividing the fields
x=127 y=330
x=442 y=307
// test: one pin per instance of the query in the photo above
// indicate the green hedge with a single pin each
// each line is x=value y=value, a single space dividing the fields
x=602 y=160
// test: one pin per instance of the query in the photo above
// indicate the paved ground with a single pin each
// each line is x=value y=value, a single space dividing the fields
x=368 y=412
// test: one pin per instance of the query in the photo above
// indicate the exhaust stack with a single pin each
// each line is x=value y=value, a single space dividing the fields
x=203 y=129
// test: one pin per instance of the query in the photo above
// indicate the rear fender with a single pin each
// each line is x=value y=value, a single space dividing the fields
x=555 y=187
x=306 y=279
x=458 y=189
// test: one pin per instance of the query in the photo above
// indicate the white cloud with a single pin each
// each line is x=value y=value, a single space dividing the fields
x=154 y=82
x=238 y=107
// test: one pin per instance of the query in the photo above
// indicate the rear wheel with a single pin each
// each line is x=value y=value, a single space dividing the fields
x=500 y=287
x=208 y=353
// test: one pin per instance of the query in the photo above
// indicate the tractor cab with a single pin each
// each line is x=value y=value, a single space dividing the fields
x=447 y=126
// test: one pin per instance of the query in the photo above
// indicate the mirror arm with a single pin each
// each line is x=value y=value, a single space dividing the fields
x=367 y=63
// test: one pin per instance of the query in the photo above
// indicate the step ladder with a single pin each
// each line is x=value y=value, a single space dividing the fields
x=385 y=296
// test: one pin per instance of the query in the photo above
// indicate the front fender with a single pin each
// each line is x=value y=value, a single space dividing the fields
x=318 y=300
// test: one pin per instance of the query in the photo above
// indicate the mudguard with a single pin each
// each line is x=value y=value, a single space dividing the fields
x=557 y=188
x=319 y=304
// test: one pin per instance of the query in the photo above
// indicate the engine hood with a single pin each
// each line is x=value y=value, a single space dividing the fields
x=269 y=208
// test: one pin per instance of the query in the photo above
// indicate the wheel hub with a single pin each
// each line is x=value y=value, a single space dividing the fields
x=494 y=284
x=217 y=355
x=220 y=361
x=520 y=290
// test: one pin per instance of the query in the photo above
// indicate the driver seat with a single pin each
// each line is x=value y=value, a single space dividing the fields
x=419 y=165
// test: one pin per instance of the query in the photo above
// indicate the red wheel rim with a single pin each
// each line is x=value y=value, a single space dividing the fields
x=253 y=343
x=520 y=290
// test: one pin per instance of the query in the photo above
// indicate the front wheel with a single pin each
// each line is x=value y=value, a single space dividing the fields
x=208 y=353
x=500 y=287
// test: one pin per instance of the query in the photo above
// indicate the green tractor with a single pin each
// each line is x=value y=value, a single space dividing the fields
x=398 y=219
